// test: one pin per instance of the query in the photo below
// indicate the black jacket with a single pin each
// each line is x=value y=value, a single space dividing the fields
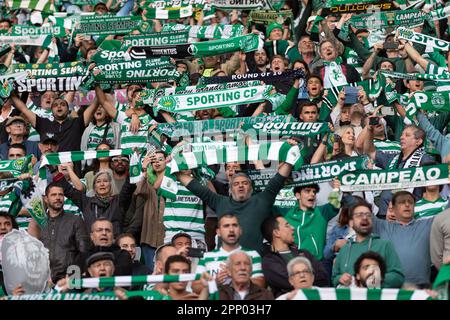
x=67 y=240
x=275 y=270
x=93 y=207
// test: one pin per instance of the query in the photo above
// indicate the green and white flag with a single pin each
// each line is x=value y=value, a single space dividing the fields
x=38 y=5
x=135 y=168
x=137 y=71
x=162 y=14
x=66 y=76
x=110 y=51
x=7 y=83
x=128 y=281
x=157 y=39
x=442 y=282
x=213 y=126
x=14 y=167
x=208 y=100
x=430 y=101
x=292 y=129
x=207 y=32
x=360 y=294
x=376 y=180
x=404 y=33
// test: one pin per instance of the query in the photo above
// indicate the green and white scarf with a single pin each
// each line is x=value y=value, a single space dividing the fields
x=15 y=167
x=241 y=5
x=386 y=19
x=174 y=3
x=107 y=24
x=292 y=129
x=213 y=126
x=334 y=74
x=156 y=39
x=416 y=76
x=128 y=281
x=147 y=295
x=54 y=77
x=360 y=294
x=25 y=30
x=38 y=5
x=207 y=100
x=110 y=51
x=162 y=14
x=376 y=180
x=137 y=71
x=7 y=83
x=430 y=101
x=208 y=32
x=404 y=33
x=246 y=43
x=277 y=151
x=349 y=6
x=310 y=173
x=269 y=16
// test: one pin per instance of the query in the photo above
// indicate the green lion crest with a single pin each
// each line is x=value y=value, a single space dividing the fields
x=169 y=103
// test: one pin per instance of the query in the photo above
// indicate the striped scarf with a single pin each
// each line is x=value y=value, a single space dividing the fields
x=360 y=294
x=277 y=151
x=38 y=5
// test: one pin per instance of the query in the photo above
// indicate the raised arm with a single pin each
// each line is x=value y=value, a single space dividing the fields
x=414 y=55
x=369 y=147
x=102 y=99
x=370 y=61
x=20 y=105
x=89 y=112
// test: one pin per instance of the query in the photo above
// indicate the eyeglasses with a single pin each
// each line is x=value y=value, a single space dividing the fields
x=362 y=214
x=301 y=272
x=120 y=159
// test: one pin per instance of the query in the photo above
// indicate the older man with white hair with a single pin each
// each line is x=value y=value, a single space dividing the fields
x=301 y=276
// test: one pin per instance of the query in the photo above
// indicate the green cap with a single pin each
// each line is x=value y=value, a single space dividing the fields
x=272 y=26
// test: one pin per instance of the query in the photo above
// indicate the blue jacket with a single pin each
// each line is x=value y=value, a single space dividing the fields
x=440 y=142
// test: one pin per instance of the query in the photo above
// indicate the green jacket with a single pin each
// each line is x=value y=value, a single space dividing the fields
x=311 y=227
x=350 y=252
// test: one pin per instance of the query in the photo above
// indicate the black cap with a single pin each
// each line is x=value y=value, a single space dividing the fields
x=99 y=256
x=314 y=186
x=49 y=136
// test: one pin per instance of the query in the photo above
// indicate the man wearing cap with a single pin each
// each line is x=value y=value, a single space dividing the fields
x=16 y=128
x=48 y=144
x=100 y=265
x=275 y=44
x=310 y=221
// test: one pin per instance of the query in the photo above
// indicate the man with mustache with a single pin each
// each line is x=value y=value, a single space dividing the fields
x=239 y=268
x=362 y=222
x=229 y=232
x=64 y=234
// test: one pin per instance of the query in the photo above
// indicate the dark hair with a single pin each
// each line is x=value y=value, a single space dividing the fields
x=359 y=203
x=373 y=256
x=419 y=133
x=298 y=189
x=173 y=259
x=6 y=20
x=18 y=146
x=279 y=56
x=227 y=215
x=10 y=217
x=124 y=235
x=307 y=104
x=361 y=31
x=269 y=225
x=314 y=76
x=308 y=72
x=102 y=219
x=387 y=60
x=402 y=193
x=52 y=185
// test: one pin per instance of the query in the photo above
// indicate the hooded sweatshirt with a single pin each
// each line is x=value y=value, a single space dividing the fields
x=310 y=227
x=350 y=252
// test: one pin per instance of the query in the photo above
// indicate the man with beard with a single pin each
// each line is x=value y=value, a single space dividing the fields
x=64 y=234
x=282 y=250
x=343 y=269
x=229 y=232
x=120 y=167
x=370 y=270
x=68 y=131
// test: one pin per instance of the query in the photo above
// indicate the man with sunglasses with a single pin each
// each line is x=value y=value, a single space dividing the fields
x=120 y=166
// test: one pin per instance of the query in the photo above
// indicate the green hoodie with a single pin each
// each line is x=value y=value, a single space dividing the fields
x=310 y=227
x=350 y=252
